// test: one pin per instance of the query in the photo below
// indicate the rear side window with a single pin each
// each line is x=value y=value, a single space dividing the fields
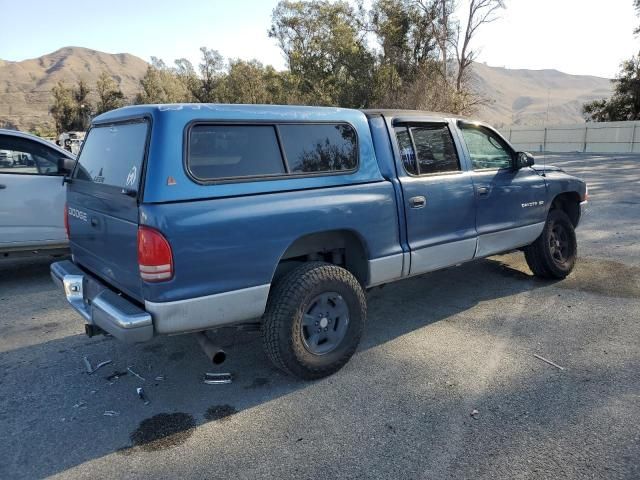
x=219 y=152
x=113 y=155
x=434 y=152
x=311 y=148
x=224 y=151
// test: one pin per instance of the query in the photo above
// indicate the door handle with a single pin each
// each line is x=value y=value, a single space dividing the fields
x=2 y=187
x=483 y=191
x=417 y=202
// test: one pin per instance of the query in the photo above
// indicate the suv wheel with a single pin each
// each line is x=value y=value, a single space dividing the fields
x=553 y=254
x=314 y=320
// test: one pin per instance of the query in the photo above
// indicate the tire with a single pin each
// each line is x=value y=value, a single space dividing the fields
x=554 y=253
x=314 y=319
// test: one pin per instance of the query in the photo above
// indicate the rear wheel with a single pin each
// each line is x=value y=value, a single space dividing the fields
x=314 y=320
x=553 y=254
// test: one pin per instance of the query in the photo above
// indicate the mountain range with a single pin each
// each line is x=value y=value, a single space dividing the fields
x=535 y=97
x=25 y=87
x=522 y=97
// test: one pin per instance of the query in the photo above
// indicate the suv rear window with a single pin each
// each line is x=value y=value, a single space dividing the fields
x=226 y=151
x=113 y=155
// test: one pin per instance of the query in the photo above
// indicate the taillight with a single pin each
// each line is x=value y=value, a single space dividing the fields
x=155 y=259
x=66 y=220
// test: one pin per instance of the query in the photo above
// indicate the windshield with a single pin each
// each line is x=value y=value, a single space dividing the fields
x=113 y=154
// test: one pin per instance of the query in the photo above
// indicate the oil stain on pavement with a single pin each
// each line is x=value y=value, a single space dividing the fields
x=161 y=431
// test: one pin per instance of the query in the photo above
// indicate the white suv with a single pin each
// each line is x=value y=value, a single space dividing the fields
x=32 y=194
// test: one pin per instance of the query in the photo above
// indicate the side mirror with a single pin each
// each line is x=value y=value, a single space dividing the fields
x=65 y=165
x=524 y=159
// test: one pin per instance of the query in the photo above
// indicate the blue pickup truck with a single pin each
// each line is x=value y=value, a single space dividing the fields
x=188 y=218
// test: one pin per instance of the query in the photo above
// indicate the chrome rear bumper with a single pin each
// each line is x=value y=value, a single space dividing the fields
x=101 y=306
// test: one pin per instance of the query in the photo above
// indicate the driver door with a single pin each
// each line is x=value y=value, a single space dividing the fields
x=510 y=202
x=31 y=194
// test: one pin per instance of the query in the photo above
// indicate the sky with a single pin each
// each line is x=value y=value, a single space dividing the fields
x=582 y=37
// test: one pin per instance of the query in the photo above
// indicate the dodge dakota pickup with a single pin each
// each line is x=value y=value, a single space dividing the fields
x=188 y=218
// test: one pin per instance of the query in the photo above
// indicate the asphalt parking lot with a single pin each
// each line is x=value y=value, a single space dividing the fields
x=444 y=385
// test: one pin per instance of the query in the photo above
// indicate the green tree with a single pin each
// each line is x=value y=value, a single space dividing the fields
x=161 y=84
x=62 y=109
x=252 y=83
x=246 y=83
x=71 y=109
x=326 y=50
x=625 y=102
x=420 y=65
x=332 y=59
x=406 y=32
x=82 y=105
x=211 y=72
x=109 y=94
x=187 y=75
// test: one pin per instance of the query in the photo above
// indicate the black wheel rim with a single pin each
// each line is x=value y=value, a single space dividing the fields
x=324 y=323
x=559 y=243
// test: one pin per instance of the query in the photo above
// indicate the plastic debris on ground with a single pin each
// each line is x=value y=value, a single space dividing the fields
x=87 y=365
x=134 y=373
x=540 y=357
x=142 y=395
x=90 y=369
x=217 y=378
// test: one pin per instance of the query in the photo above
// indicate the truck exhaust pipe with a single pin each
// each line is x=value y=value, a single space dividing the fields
x=214 y=353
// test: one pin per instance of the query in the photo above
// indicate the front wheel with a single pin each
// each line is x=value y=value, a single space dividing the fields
x=314 y=320
x=553 y=254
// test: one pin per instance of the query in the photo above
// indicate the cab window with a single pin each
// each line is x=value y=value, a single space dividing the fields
x=426 y=149
x=487 y=150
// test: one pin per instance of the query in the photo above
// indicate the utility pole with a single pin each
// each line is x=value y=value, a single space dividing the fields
x=548 y=101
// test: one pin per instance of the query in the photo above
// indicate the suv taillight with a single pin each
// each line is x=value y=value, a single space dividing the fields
x=66 y=220
x=155 y=259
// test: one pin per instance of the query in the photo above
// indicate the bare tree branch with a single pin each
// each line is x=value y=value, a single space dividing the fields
x=480 y=12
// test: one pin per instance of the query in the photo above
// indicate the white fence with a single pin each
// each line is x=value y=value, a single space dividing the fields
x=605 y=137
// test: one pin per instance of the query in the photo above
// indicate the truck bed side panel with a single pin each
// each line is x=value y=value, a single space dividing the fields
x=227 y=244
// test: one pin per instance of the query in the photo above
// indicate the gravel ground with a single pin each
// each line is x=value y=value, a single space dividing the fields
x=445 y=384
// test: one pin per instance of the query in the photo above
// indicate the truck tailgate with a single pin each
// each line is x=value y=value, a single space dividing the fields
x=102 y=204
x=104 y=239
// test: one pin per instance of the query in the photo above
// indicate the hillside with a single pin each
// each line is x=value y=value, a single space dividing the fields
x=520 y=97
x=516 y=96
x=25 y=87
